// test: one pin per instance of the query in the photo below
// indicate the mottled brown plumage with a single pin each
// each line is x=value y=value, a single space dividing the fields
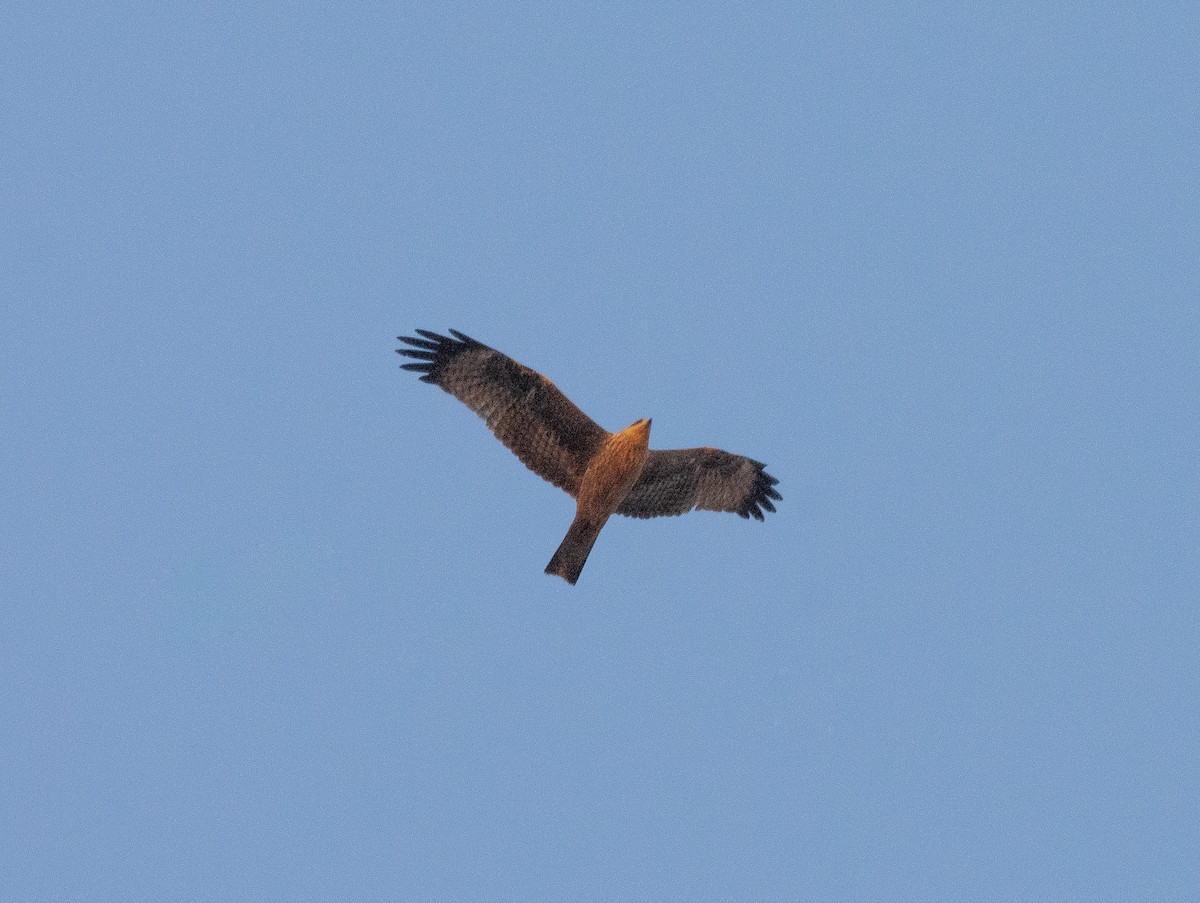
x=605 y=472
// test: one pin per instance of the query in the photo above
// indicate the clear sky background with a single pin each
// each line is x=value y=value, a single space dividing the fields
x=273 y=621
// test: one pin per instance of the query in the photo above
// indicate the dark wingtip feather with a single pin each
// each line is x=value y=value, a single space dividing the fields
x=418 y=353
x=466 y=339
x=761 y=494
x=434 y=351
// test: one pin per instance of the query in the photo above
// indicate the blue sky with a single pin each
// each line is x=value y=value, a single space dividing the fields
x=274 y=622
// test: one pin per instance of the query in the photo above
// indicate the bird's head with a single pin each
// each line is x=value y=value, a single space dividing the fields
x=638 y=431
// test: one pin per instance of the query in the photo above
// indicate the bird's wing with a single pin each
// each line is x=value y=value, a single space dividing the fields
x=526 y=411
x=676 y=481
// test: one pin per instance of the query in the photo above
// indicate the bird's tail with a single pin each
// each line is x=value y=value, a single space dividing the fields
x=573 y=551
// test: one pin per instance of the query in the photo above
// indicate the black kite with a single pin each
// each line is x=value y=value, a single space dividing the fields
x=605 y=472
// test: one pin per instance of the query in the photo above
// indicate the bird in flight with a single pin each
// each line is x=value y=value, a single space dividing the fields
x=606 y=473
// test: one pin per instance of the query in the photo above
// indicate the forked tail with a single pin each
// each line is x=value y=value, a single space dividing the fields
x=573 y=551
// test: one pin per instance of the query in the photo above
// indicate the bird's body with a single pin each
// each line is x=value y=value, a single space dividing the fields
x=605 y=484
x=607 y=473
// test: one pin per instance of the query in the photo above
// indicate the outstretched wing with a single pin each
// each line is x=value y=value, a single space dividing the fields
x=676 y=481
x=526 y=411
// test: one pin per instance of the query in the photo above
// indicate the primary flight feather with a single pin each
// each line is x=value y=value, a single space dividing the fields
x=606 y=473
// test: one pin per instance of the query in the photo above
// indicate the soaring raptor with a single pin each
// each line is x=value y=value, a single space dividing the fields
x=604 y=472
